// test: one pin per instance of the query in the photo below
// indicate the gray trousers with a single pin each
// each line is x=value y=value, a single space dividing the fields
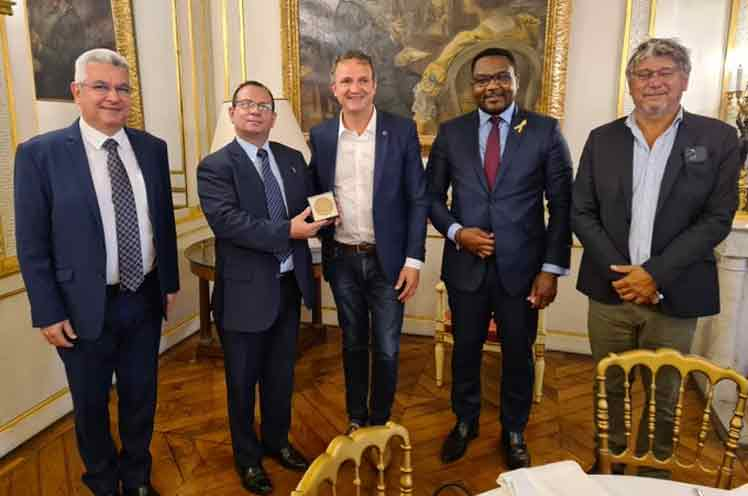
x=628 y=326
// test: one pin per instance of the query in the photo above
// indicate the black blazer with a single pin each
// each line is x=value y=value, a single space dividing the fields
x=59 y=234
x=697 y=201
x=535 y=162
x=399 y=197
x=246 y=295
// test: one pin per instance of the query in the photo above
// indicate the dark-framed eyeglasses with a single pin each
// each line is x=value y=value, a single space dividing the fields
x=251 y=105
x=503 y=78
x=102 y=89
x=666 y=73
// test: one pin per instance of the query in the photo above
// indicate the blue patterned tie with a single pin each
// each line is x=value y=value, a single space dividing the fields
x=273 y=196
x=126 y=215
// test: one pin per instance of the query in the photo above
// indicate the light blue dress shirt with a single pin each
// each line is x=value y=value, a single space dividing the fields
x=484 y=129
x=648 y=169
x=251 y=151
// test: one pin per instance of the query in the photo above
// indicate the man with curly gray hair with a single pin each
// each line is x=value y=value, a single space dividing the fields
x=656 y=191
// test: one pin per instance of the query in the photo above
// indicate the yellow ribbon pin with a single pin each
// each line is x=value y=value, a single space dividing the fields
x=521 y=126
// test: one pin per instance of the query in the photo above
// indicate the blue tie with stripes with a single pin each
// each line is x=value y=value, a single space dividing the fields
x=273 y=196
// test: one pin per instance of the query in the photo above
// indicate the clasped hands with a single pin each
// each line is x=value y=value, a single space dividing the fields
x=636 y=286
x=482 y=244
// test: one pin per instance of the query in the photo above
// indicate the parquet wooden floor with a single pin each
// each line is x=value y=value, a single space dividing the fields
x=192 y=450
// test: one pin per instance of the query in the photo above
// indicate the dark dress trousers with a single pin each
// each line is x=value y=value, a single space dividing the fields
x=535 y=162
x=256 y=308
x=61 y=250
x=363 y=283
x=697 y=200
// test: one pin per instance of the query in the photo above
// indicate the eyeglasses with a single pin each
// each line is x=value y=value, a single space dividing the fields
x=503 y=78
x=251 y=105
x=103 y=89
x=665 y=73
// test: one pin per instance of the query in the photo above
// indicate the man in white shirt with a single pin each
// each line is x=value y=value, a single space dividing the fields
x=371 y=161
x=97 y=248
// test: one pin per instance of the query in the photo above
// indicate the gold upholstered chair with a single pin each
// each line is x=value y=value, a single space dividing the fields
x=686 y=365
x=353 y=448
x=443 y=336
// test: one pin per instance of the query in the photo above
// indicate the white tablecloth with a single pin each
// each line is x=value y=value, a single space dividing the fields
x=629 y=485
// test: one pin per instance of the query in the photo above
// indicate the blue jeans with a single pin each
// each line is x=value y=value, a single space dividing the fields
x=366 y=300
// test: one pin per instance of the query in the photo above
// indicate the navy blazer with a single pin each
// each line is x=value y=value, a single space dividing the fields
x=535 y=162
x=59 y=234
x=246 y=295
x=697 y=201
x=400 y=205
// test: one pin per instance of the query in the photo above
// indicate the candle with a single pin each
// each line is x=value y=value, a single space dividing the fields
x=740 y=78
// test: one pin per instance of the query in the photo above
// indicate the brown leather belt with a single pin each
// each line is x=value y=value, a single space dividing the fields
x=359 y=249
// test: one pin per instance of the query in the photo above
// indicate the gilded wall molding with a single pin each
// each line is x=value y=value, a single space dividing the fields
x=124 y=36
x=6 y=7
x=9 y=137
x=639 y=25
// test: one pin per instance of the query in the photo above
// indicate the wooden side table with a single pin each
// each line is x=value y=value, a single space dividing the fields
x=202 y=257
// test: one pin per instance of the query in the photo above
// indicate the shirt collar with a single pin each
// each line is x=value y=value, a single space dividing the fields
x=96 y=138
x=505 y=116
x=371 y=127
x=631 y=121
x=251 y=149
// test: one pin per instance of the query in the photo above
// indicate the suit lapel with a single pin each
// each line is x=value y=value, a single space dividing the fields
x=288 y=170
x=674 y=161
x=328 y=153
x=380 y=153
x=249 y=183
x=149 y=172
x=624 y=150
x=513 y=141
x=79 y=164
x=470 y=136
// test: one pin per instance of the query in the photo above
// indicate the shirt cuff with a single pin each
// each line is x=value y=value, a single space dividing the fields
x=413 y=263
x=555 y=269
x=452 y=231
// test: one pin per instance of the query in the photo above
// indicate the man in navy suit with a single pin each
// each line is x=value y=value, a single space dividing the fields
x=254 y=195
x=655 y=193
x=500 y=259
x=371 y=161
x=97 y=247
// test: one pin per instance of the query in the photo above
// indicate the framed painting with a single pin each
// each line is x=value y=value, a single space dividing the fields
x=422 y=52
x=60 y=30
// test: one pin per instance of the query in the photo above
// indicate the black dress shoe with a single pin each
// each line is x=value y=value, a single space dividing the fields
x=515 y=450
x=255 y=480
x=290 y=458
x=146 y=490
x=455 y=445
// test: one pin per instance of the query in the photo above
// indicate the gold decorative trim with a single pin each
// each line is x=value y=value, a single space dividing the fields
x=225 y=35
x=64 y=391
x=207 y=77
x=193 y=213
x=180 y=101
x=12 y=293
x=6 y=7
x=8 y=264
x=652 y=18
x=193 y=74
x=124 y=36
x=731 y=46
x=553 y=89
x=243 y=41
x=624 y=56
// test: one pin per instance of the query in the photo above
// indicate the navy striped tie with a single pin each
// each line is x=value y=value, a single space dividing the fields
x=273 y=196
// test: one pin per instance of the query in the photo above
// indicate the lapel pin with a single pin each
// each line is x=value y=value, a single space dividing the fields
x=384 y=133
x=521 y=126
x=293 y=169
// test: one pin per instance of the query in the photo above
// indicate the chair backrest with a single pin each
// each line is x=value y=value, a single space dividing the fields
x=685 y=365
x=342 y=449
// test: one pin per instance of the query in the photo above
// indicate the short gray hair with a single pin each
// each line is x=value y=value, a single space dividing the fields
x=98 y=56
x=660 y=47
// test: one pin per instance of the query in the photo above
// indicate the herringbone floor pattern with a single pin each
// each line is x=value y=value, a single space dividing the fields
x=192 y=450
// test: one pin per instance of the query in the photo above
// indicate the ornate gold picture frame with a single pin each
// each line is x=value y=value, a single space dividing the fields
x=421 y=50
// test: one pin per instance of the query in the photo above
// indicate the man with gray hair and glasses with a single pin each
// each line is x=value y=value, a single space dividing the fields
x=655 y=192
x=97 y=247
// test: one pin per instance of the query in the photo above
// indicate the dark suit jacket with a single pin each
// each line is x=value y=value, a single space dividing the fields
x=400 y=204
x=697 y=201
x=535 y=162
x=59 y=234
x=246 y=296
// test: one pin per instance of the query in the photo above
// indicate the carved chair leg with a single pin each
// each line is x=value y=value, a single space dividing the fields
x=439 y=362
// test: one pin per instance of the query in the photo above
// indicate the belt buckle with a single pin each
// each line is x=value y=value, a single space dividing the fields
x=363 y=248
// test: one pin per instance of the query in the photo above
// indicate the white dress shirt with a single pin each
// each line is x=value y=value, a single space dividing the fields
x=354 y=185
x=97 y=163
